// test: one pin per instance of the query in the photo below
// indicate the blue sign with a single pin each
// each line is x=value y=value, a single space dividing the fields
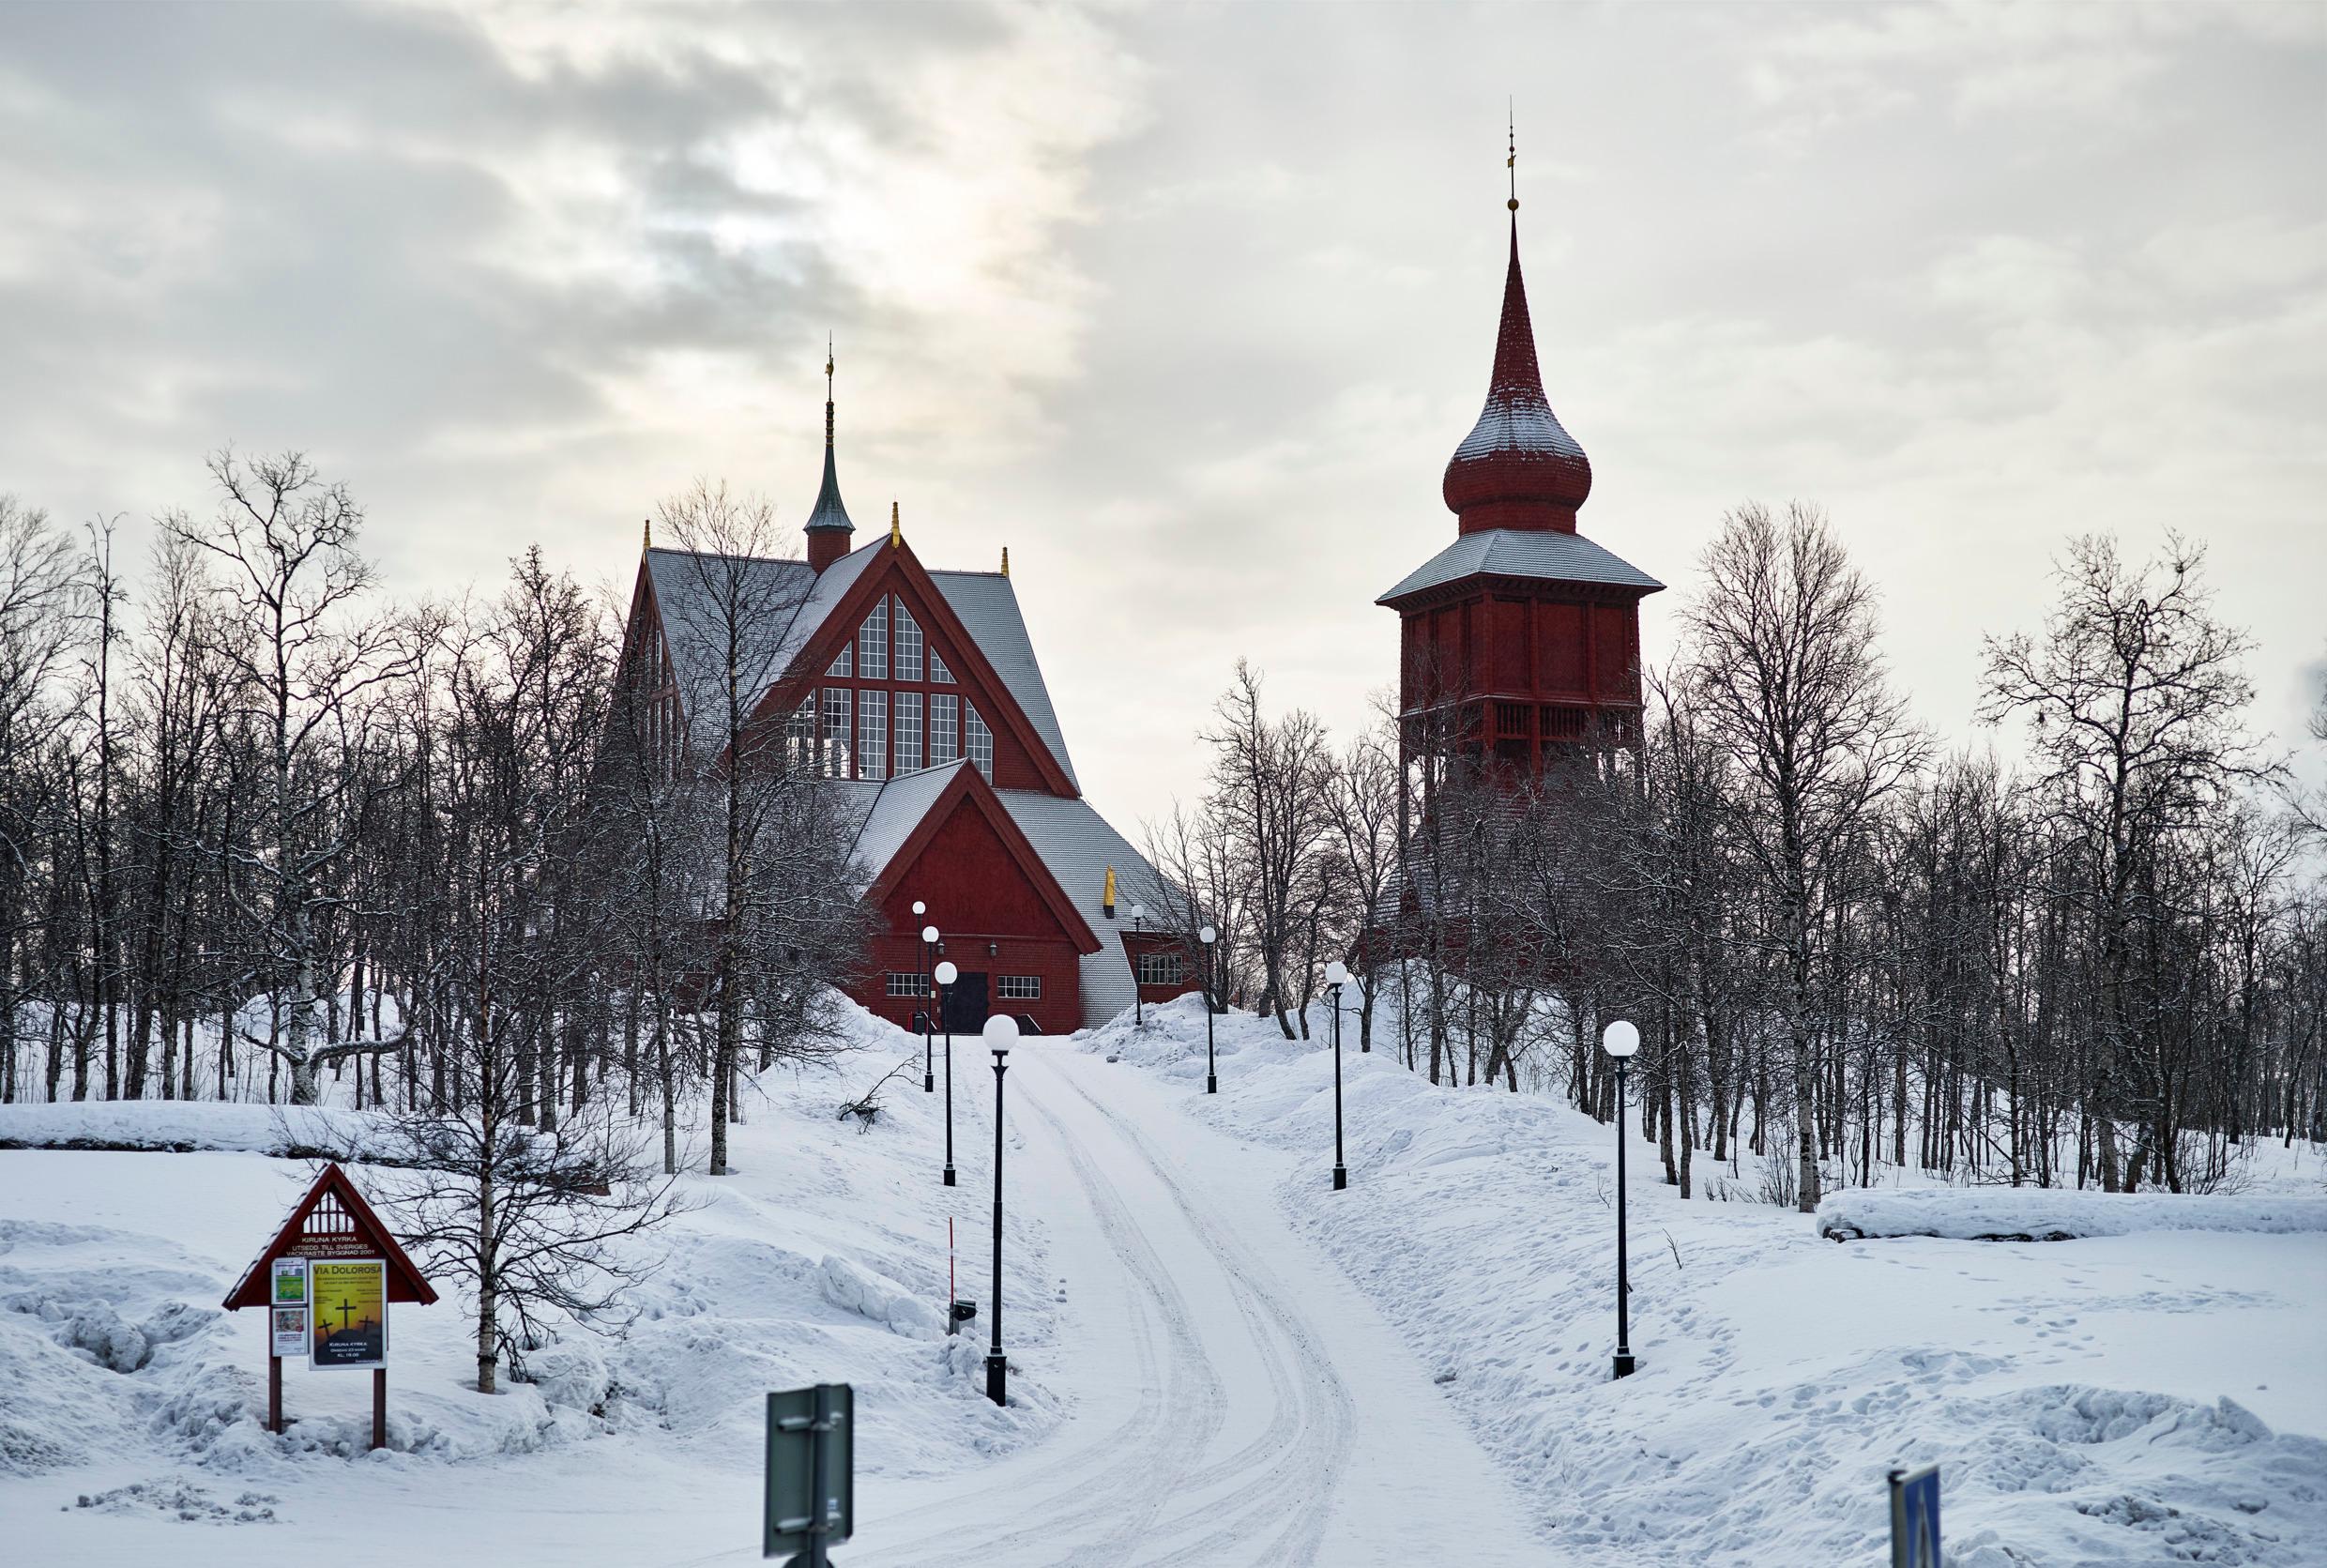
x=1915 y=1518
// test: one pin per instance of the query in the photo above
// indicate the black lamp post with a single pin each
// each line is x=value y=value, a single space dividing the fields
x=1337 y=975
x=947 y=975
x=930 y=938
x=1139 y=1011
x=1000 y=1030
x=1620 y=1040
x=1211 y=1072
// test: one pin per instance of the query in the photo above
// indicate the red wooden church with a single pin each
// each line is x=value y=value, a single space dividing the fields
x=917 y=693
x=1522 y=637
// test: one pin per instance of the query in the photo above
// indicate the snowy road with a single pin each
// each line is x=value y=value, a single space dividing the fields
x=1236 y=1401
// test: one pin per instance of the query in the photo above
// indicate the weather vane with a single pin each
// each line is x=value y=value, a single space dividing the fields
x=1512 y=161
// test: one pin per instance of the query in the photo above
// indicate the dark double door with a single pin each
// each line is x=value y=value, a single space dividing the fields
x=966 y=1003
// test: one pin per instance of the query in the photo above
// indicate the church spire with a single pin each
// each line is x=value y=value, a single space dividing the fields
x=828 y=526
x=1518 y=468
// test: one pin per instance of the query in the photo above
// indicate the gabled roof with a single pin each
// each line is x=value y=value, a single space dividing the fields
x=346 y=1225
x=983 y=602
x=1540 y=554
x=889 y=813
x=1075 y=843
x=904 y=814
x=987 y=607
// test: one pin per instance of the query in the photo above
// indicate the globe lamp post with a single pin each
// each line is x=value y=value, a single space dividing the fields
x=1337 y=976
x=1620 y=1040
x=947 y=975
x=1139 y=1011
x=1000 y=1032
x=930 y=938
x=1212 y=1070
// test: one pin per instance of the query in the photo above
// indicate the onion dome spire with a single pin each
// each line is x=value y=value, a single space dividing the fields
x=828 y=526
x=1518 y=468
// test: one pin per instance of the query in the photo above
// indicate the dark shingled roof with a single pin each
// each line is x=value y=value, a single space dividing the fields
x=1559 y=557
x=1518 y=468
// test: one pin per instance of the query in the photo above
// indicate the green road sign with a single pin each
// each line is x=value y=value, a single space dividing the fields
x=811 y=1471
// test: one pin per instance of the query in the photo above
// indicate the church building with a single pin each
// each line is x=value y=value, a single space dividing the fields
x=917 y=691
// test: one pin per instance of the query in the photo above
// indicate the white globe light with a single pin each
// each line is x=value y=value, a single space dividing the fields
x=928 y=934
x=947 y=973
x=1001 y=1030
x=1337 y=973
x=1209 y=936
x=920 y=908
x=1139 y=911
x=1619 y=1040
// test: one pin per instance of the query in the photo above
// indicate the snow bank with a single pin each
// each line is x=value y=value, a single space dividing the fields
x=2056 y=1214
x=184 y=1126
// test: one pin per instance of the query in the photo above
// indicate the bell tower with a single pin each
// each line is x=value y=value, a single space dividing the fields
x=1521 y=639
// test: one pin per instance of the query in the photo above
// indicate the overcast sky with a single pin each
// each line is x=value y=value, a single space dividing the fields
x=1188 y=306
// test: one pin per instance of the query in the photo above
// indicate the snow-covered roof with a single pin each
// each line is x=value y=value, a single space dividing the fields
x=988 y=608
x=792 y=600
x=887 y=814
x=1078 y=846
x=1546 y=553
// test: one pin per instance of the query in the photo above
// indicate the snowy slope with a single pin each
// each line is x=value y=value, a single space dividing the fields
x=2143 y=1398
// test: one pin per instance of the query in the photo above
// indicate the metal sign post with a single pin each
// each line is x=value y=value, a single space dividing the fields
x=1915 y=1518
x=810 y=1496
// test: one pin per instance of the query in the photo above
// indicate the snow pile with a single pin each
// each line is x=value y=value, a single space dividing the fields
x=128 y=1397
x=183 y=1126
x=2056 y=1214
x=2129 y=1398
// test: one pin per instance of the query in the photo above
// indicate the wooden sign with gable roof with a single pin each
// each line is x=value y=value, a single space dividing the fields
x=331 y=1222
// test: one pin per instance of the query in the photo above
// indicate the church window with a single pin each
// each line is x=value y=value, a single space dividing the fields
x=872 y=735
x=945 y=727
x=981 y=741
x=908 y=644
x=842 y=666
x=1161 y=968
x=907 y=985
x=937 y=671
x=800 y=737
x=836 y=733
x=873 y=645
x=1020 y=988
x=908 y=731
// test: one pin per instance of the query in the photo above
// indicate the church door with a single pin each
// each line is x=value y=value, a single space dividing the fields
x=966 y=1003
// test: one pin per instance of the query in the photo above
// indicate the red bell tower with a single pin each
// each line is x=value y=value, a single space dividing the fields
x=1522 y=637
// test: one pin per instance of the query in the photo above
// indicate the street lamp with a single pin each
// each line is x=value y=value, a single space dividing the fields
x=1620 y=1040
x=947 y=975
x=1211 y=1072
x=1336 y=976
x=1139 y=1012
x=1000 y=1030
x=929 y=942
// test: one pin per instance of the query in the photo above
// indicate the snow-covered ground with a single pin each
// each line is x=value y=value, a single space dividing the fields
x=1216 y=1358
x=825 y=1257
x=2141 y=1398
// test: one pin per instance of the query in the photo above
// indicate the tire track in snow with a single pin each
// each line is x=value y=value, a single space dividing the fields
x=1309 y=1468
x=1120 y=1482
